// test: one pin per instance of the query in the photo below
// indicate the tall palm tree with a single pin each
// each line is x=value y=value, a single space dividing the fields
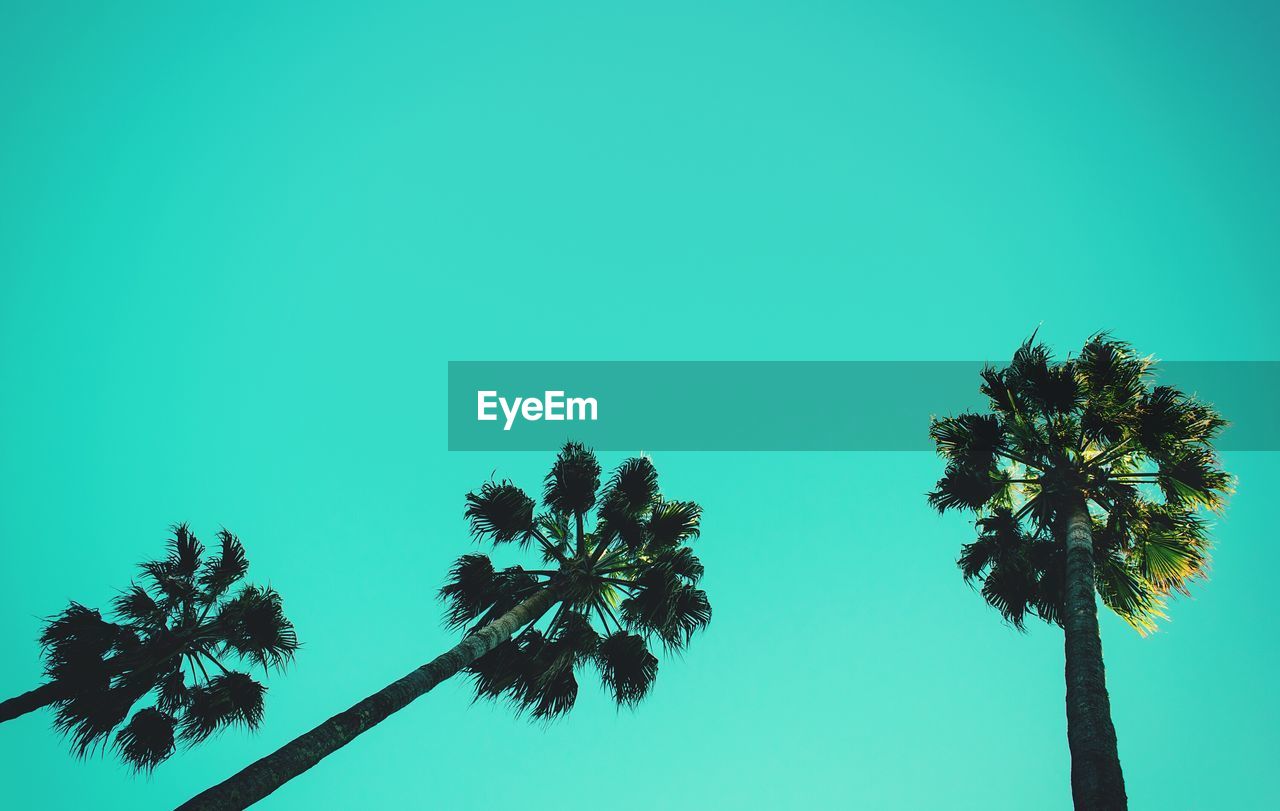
x=1086 y=478
x=170 y=631
x=629 y=581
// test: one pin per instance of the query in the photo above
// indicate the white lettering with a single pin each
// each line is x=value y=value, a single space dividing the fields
x=510 y=412
x=483 y=404
x=554 y=400
x=582 y=403
x=553 y=405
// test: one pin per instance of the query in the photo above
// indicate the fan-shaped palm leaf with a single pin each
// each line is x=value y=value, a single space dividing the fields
x=627 y=668
x=229 y=699
x=147 y=740
x=500 y=512
x=571 y=485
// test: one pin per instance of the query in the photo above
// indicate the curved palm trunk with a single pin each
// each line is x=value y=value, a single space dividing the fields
x=32 y=700
x=1096 y=781
x=271 y=772
x=55 y=691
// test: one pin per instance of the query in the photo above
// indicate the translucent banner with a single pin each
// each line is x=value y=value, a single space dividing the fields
x=778 y=405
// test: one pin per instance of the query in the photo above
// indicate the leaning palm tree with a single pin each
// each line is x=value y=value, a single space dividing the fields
x=630 y=581
x=1086 y=478
x=171 y=630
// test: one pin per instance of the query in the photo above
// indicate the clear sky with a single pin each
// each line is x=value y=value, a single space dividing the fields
x=238 y=247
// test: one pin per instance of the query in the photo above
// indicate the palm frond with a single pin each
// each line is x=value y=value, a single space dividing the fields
x=664 y=606
x=1111 y=371
x=1113 y=381
x=615 y=521
x=1045 y=386
x=510 y=586
x=1168 y=419
x=497 y=671
x=1124 y=590
x=572 y=640
x=253 y=624
x=999 y=537
x=470 y=590
x=963 y=489
x=679 y=561
x=221 y=572
x=138 y=607
x=184 y=552
x=627 y=668
x=167 y=577
x=172 y=693
x=1059 y=393
x=672 y=522
x=229 y=699
x=558 y=535
x=1192 y=478
x=501 y=512
x=530 y=672
x=572 y=483
x=1049 y=566
x=1009 y=587
x=969 y=440
x=633 y=486
x=89 y=716
x=995 y=386
x=75 y=644
x=1170 y=548
x=554 y=695
x=147 y=740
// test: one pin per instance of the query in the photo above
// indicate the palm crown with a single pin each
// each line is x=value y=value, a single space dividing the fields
x=170 y=632
x=629 y=581
x=1091 y=431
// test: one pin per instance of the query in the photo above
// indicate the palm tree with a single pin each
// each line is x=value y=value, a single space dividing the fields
x=169 y=632
x=629 y=581
x=1086 y=478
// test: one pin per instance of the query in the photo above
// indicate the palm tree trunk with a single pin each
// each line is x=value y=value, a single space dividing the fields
x=271 y=772
x=32 y=700
x=1096 y=781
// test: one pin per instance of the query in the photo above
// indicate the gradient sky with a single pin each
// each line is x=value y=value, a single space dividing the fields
x=238 y=247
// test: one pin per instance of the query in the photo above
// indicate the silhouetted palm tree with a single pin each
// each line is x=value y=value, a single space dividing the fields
x=635 y=561
x=183 y=619
x=1086 y=477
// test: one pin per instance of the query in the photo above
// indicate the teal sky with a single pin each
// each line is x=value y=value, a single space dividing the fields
x=238 y=247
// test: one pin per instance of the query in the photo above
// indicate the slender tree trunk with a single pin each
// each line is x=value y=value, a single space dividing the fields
x=271 y=772
x=42 y=696
x=1096 y=781
x=50 y=692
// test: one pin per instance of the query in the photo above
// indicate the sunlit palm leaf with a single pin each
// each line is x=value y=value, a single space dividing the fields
x=970 y=440
x=1123 y=589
